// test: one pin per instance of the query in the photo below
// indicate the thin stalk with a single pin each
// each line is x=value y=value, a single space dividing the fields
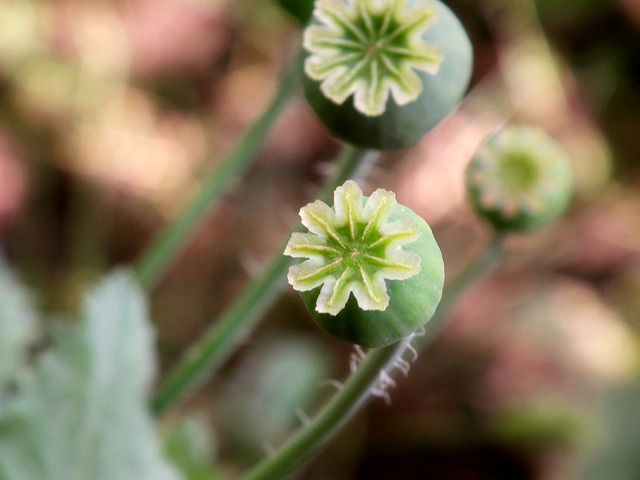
x=490 y=257
x=168 y=244
x=377 y=366
x=237 y=322
x=345 y=404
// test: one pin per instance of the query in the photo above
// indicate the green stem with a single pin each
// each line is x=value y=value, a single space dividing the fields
x=358 y=389
x=236 y=323
x=490 y=257
x=167 y=245
x=344 y=405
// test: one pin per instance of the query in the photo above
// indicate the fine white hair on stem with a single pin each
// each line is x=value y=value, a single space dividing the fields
x=302 y=416
x=383 y=394
x=386 y=381
x=353 y=362
x=382 y=386
x=414 y=352
x=420 y=332
x=356 y=358
x=331 y=382
x=402 y=365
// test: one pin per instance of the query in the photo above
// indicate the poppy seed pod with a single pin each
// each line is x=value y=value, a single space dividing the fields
x=381 y=73
x=519 y=179
x=373 y=272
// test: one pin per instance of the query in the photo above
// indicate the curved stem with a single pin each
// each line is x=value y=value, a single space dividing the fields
x=351 y=397
x=237 y=322
x=168 y=244
x=490 y=257
x=358 y=389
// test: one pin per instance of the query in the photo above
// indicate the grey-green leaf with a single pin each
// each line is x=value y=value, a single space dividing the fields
x=611 y=447
x=17 y=324
x=81 y=412
x=191 y=447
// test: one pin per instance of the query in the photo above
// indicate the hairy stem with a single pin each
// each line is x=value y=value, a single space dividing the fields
x=168 y=244
x=237 y=322
x=354 y=394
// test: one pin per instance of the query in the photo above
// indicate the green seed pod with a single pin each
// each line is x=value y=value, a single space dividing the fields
x=374 y=273
x=406 y=63
x=519 y=179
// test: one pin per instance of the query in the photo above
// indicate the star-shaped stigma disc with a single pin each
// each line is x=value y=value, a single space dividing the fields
x=352 y=248
x=370 y=49
x=518 y=171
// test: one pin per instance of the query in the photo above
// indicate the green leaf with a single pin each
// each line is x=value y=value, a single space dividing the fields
x=18 y=324
x=191 y=447
x=612 y=442
x=81 y=412
x=269 y=390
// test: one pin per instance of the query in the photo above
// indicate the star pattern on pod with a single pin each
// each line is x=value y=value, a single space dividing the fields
x=352 y=248
x=514 y=172
x=371 y=49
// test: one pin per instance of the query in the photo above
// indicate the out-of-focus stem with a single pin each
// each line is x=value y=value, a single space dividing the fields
x=237 y=322
x=168 y=244
x=377 y=366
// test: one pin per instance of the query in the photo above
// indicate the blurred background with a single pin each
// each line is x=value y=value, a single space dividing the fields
x=111 y=111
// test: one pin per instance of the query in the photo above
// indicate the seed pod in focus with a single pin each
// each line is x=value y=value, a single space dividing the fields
x=381 y=73
x=374 y=272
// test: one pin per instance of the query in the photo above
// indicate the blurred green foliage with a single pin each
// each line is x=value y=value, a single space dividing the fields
x=108 y=117
x=80 y=411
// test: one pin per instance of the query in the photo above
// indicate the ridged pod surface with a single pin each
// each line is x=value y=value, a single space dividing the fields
x=381 y=73
x=519 y=179
x=373 y=272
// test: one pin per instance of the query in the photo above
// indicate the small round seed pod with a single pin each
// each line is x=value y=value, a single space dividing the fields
x=519 y=179
x=381 y=73
x=373 y=272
